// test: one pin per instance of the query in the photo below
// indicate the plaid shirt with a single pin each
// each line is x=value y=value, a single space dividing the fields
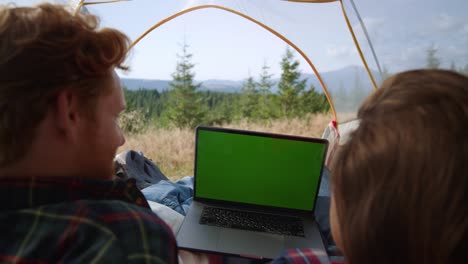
x=303 y=256
x=51 y=220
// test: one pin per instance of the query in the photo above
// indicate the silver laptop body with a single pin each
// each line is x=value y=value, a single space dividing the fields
x=247 y=173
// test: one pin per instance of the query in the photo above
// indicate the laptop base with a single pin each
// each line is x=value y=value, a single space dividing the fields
x=251 y=244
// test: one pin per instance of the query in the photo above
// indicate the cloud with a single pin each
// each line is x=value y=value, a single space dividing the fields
x=465 y=28
x=335 y=51
x=414 y=55
x=374 y=26
x=403 y=44
x=445 y=23
x=189 y=3
x=373 y=23
x=410 y=54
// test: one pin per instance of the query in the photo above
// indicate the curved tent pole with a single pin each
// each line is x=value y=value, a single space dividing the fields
x=82 y=3
x=104 y=2
x=322 y=83
x=357 y=45
x=367 y=37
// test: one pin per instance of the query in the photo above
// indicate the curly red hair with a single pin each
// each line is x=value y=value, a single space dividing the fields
x=43 y=50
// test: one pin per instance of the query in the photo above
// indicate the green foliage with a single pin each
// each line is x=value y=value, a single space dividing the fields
x=452 y=66
x=432 y=61
x=385 y=73
x=464 y=70
x=185 y=106
x=223 y=107
x=249 y=99
x=290 y=86
x=149 y=102
x=461 y=70
x=265 y=107
x=132 y=122
x=314 y=102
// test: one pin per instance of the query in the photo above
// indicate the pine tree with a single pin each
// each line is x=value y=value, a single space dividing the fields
x=265 y=104
x=385 y=73
x=464 y=70
x=313 y=101
x=432 y=61
x=249 y=100
x=453 y=67
x=290 y=85
x=185 y=107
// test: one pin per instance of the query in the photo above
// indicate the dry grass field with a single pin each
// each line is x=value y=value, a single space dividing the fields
x=173 y=149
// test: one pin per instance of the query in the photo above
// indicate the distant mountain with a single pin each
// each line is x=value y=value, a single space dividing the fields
x=136 y=84
x=160 y=85
x=346 y=78
x=221 y=85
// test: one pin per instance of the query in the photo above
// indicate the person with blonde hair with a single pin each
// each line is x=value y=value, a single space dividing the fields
x=60 y=99
x=400 y=185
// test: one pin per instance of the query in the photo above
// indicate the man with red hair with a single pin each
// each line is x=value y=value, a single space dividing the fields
x=60 y=99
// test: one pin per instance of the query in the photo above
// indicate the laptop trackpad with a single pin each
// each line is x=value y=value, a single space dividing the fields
x=250 y=243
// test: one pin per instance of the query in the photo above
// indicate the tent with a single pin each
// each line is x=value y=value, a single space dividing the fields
x=366 y=27
x=346 y=46
x=368 y=39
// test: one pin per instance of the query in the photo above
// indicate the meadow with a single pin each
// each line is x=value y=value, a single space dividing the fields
x=172 y=149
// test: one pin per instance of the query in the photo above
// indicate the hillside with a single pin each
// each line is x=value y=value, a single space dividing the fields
x=160 y=85
x=346 y=78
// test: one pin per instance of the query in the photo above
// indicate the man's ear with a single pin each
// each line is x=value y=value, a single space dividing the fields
x=66 y=113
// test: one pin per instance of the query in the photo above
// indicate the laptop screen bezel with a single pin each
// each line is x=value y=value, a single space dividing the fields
x=261 y=134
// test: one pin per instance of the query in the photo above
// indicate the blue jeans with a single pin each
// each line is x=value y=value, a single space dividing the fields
x=176 y=195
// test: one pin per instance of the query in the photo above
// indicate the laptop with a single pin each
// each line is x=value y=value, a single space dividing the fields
x=254 y=193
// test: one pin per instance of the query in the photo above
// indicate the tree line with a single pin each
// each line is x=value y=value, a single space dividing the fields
x=185 y=105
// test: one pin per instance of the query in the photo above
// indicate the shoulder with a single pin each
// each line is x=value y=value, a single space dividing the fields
x=85 y=230
x=140 y=232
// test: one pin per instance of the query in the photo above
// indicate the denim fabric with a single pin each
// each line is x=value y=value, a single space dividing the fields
x=324 y=189
x=175 y=195
x=322 y=206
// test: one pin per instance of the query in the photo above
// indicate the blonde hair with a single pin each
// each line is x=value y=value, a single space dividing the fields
x=43 y=50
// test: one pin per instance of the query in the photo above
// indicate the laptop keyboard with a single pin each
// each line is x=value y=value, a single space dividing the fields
x=275 y=224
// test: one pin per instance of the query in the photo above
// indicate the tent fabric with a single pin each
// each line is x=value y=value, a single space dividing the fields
x=278 y=34
x=399 y=33
x=313 y=1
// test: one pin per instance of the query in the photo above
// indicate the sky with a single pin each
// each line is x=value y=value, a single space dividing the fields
x=226 y=46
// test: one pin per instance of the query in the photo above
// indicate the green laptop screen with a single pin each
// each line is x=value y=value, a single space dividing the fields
x=252 y=169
